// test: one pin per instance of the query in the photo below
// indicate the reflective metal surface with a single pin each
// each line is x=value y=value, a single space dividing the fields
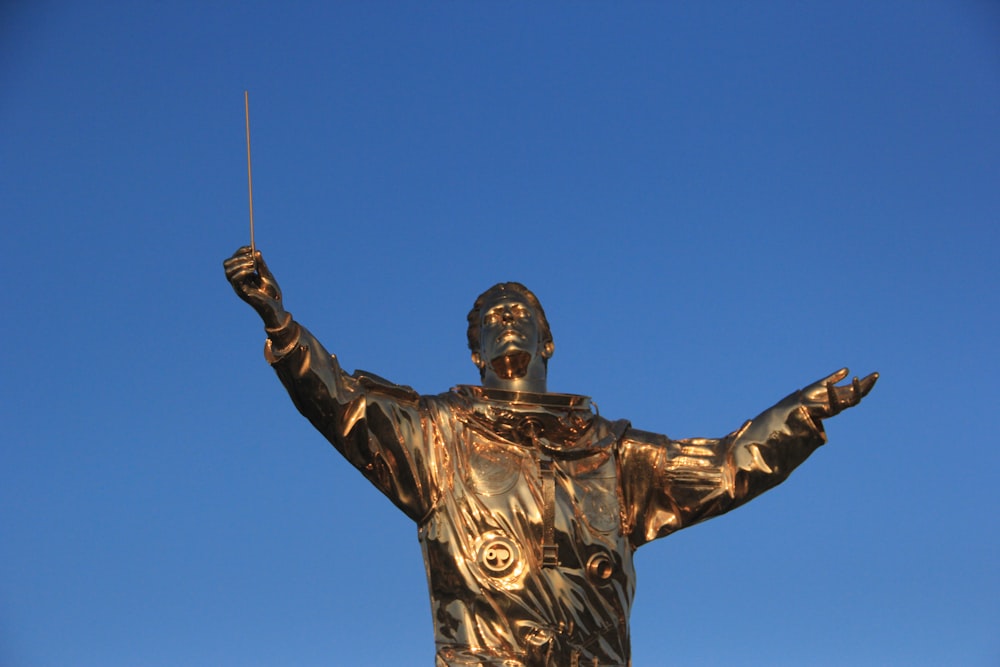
x=528 y=504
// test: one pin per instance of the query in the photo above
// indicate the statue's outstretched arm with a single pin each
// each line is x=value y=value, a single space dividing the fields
x=775 y=442
x=676 y=483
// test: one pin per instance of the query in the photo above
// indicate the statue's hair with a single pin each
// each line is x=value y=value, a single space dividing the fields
x=473 y=332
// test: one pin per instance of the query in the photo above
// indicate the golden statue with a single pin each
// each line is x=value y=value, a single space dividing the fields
x=528 y=505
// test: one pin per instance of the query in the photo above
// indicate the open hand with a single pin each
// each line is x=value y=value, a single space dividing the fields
x=826 y=399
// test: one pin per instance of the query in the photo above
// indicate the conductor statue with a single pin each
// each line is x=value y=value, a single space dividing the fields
x=528 y=504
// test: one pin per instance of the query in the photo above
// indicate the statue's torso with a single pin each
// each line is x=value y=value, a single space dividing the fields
x=525 y=550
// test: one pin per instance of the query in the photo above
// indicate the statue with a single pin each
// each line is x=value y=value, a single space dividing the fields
x=528 y=505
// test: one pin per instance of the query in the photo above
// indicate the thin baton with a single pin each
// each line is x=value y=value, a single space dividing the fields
x=246 y=106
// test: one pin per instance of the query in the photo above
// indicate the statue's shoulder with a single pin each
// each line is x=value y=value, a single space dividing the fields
x=373 y=383
x=635 y=436
x=462 y=395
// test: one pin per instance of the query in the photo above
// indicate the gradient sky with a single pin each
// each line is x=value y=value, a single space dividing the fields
x=717 y=203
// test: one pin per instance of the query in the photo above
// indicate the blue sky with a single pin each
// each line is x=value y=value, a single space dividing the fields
x=717 y=203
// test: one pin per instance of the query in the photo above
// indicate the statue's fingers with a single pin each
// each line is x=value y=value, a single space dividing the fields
x=235 y=262
x=819 y=387
x=238 y=267
x=866 y=383
x=850 y=395
x=832 y=398
x=262 y=269
x=232 y=265
x=241 y=254
x=836 y=377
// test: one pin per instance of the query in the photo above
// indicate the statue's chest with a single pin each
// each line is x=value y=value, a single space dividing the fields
x=569 y=488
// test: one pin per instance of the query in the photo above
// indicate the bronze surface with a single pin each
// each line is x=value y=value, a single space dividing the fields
x=529 y=505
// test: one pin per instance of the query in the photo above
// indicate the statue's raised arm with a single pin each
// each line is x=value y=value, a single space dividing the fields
x=367 y=419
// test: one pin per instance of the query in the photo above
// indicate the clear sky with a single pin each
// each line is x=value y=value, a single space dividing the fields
x=717 y=203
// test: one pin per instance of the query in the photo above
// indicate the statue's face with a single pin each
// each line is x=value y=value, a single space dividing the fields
x=508 y=325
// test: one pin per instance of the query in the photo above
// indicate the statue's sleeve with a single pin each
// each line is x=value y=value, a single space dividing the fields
x=672 y=484
x=383 y=429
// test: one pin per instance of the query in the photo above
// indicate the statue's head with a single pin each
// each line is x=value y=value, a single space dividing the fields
x=508 y=333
